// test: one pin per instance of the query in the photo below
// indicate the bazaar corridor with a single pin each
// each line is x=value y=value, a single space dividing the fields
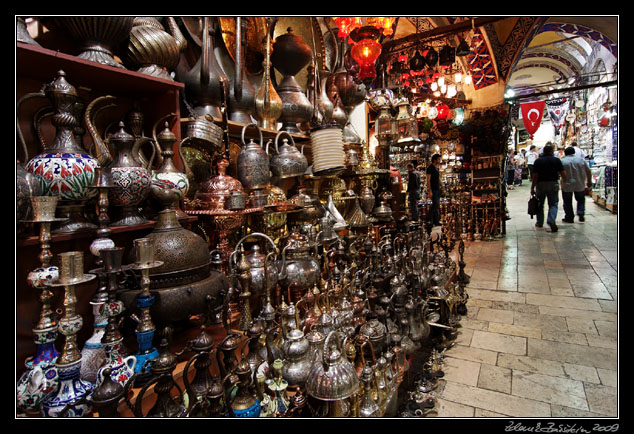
x=541 y=335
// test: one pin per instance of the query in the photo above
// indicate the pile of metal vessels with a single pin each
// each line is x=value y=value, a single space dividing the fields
x=327 y=306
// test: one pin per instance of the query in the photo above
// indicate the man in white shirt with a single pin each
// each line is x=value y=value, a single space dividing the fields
x=531 y=156
x=578 y=177
x=578 y=151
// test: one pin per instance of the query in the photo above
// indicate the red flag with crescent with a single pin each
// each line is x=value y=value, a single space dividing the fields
x=532 y=113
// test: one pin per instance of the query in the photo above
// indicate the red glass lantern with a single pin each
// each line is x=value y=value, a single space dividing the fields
x=365 y=52
x=443 y=111
x=347 y=25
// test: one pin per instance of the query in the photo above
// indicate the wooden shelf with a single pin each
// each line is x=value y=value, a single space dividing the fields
x=42 y=64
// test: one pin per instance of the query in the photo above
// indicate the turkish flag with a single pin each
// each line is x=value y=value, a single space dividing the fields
x=532 y=113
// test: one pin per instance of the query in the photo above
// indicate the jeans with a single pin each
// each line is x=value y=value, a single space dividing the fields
x=547 y=190
x=413 y=204
x=434 y=214
x=580 y=198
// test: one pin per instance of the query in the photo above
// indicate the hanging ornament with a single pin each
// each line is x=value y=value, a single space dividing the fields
x=433 y=113
x=431 y=58
x=443 y=111
x=557 y=109
x=365 y=52
x=417 y=62
x=459 y=117
x=463 y=48
x=447 y=55
x=532 y=113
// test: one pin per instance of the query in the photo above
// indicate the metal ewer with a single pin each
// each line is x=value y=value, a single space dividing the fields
x=69 y=397
x=169 y=184
x=206 y=82
x=334 y=378
x=162 y=368
x=268 y=104
x=290 y=55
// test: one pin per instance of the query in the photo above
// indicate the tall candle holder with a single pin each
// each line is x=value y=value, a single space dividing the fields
x=144 y=248
x=69 y=397
x=121 y=367
x=40 y=377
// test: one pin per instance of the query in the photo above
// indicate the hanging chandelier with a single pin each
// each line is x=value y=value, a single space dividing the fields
x=364 y=32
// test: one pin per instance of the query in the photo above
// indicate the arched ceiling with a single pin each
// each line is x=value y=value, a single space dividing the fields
x=527 y=53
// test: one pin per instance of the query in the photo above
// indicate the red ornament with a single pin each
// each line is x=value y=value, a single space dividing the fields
x=443 y=111
x=365 y=52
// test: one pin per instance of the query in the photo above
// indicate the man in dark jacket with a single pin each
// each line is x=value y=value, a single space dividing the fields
x=433 y=189
x=545 y=186
x=413 y=190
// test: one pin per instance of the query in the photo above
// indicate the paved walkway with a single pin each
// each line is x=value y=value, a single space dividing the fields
x=540 y=337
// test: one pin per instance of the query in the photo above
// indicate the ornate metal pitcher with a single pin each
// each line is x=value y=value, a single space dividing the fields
x=204 y=82
x=290 y=55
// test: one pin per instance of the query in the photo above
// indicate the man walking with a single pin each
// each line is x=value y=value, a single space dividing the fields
x=413 y=190
x=531 y=156
x=578 y=177
x=433 y=189
x=546 y=172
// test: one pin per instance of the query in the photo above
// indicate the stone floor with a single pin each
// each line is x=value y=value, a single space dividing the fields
x=540 y=338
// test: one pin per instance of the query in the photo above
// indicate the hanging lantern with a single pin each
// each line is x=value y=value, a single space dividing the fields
x=451 y=90
x=434 y=86
x=365 y=52
x=431 y=58
x=417 y=62
x=463 y=48
x=447 y=55
x=346 y=25
x=467 y=79
x=441 y=81
x=443 y=111
x=459 y=117
x=423 y=109
x=384 y=24
x=457 y=77
x=443 y=89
